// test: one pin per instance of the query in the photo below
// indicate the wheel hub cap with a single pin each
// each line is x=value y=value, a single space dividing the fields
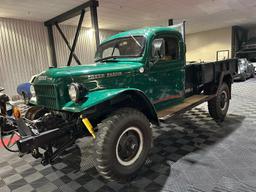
x=129 y=146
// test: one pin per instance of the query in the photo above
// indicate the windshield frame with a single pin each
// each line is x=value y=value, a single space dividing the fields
x=123 y=56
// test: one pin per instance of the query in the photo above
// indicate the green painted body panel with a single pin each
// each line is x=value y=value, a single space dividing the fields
x=163 y=83
x=94 y=98
x=90 y=69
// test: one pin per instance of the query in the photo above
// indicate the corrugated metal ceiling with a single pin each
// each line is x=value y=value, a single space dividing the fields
x=125 y=14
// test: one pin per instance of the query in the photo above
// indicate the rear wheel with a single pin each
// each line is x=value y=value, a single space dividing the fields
x=122 y=144
x=218 y=106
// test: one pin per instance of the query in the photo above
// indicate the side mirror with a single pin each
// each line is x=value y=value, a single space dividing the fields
x=158 y=49
x=1 y=89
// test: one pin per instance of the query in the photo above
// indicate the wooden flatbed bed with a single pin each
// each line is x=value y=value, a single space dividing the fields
x=199 y=75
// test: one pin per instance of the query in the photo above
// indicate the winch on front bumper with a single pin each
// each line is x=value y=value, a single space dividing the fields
x=52 y=135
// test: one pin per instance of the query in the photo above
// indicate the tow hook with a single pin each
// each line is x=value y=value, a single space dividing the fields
x=88 y=125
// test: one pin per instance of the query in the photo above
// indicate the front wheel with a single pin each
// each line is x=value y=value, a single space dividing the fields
x=218 y=107
x=122 y=144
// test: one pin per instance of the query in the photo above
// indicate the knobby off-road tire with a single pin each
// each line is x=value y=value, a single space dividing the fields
x=218 y=106
x=122 y=144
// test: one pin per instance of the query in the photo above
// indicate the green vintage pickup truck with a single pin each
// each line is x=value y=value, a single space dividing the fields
x=139 y=78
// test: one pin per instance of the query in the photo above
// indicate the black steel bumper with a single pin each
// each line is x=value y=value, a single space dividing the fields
x=54 y=141
x=29 y=143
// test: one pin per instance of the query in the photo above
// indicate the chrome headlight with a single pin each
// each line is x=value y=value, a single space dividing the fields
x=32 y=90
x=76 y=91
x=73 y=92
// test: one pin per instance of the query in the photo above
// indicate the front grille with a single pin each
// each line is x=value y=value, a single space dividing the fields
x=47 y=96
x=45 y=90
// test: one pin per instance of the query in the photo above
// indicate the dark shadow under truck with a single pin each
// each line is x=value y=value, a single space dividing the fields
x=139 y=78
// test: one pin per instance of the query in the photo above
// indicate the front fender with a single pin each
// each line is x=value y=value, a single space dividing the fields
x=94 y=98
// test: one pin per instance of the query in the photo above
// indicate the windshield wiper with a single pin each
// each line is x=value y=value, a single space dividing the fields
x=136 y=41
x=108 y=59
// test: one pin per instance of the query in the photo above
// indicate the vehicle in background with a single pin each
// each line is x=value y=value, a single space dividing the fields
x=23 y=89
x=252 y=61
x=254 y=65
x=245 y=70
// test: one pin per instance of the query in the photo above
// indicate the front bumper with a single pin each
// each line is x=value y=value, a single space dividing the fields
x=53 y=141
x=28 y=143
x=238 y=77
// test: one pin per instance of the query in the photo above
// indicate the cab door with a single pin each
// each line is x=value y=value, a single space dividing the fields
x=167 y=72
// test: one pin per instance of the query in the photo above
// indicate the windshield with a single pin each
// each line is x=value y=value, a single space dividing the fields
x=120 y=48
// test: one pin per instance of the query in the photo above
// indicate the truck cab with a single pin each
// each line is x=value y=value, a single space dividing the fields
x=161 y=53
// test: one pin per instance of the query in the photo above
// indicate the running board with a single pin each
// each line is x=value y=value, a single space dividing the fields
x=187 y=104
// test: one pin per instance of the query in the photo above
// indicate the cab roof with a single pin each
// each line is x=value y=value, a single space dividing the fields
x=146 y=32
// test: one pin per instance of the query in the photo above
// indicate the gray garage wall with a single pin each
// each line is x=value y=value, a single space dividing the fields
x=24 y=50
x=86 y=46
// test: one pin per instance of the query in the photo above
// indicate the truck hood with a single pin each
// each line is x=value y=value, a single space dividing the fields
x=97 y=68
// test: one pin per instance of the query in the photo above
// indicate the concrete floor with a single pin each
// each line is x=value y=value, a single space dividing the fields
x=190 y=154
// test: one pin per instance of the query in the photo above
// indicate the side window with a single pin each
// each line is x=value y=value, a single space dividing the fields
x=170 y=49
